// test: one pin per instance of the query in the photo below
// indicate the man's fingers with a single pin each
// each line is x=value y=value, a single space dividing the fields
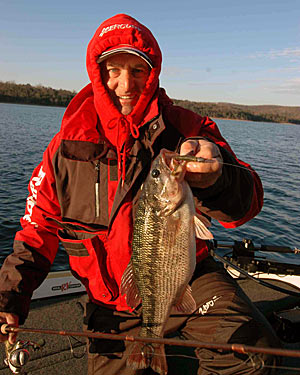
x=202 y=174
x=189 y=147
x=11 y=319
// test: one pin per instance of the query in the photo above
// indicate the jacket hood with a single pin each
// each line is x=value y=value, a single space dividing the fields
x=92 y=116
x=121 y=30
x=117 y=31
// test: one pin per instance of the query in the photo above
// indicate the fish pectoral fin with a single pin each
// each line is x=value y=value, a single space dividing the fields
x=201 y=224
x=129 y=288
x=186 y=303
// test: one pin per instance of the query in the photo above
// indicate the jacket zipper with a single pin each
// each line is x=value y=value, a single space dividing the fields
x=97 y=188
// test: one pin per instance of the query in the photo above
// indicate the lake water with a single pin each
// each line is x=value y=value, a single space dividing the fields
x=272 y=150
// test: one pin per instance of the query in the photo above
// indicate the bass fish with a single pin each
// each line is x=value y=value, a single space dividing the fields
x=163 y=255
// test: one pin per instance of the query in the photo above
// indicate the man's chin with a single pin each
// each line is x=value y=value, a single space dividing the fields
x=126 y=110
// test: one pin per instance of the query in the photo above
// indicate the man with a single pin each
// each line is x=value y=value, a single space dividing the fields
x=85 y=191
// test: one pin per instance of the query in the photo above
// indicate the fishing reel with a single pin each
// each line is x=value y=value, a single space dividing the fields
x=17 y=355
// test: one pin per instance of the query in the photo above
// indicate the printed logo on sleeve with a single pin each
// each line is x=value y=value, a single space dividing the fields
x=31 y=200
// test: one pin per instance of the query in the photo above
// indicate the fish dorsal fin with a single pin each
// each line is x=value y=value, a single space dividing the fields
x=201 y=224
x=186 y=304
x=129 y=288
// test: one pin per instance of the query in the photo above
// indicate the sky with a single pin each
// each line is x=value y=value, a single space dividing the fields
x=237 y=51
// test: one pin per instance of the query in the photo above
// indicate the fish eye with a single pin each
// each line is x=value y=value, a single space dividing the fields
x=155 y=173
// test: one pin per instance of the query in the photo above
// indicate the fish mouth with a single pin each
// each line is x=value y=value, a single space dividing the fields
x=176 y=167
x=166 y=158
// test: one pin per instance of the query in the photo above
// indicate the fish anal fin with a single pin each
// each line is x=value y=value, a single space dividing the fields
x=186 y=303
x=129 y=288
x=201 y=224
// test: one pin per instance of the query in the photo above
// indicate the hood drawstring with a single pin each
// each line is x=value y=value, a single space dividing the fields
x=134 y=130
x=121 y=148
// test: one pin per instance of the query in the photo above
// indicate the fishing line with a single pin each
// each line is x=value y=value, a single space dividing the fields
x=192 y=158
x=284 y=368
x=181 y=356
x=249 y=359
x=72 y=348
x=32 y=369
x=236 y=166
x=256 y=366
x=249 y=362
x=263 y=365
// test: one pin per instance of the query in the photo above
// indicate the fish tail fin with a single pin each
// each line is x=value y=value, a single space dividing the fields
x=144 y=355
x=137 y=358
x=158 y=361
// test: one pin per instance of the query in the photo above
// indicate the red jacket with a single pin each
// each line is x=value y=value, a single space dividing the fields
x=76 y=194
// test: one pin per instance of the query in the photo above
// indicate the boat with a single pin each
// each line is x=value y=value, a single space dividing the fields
x=260 y=263
x=58 y=305
x=58 y=283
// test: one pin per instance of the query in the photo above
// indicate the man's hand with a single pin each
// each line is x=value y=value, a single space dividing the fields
x=8 y=318
x=202 y=175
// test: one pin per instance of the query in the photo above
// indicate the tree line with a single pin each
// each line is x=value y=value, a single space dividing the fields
x=10 y=92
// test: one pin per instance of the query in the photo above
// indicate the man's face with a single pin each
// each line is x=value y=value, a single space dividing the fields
x=125 y=76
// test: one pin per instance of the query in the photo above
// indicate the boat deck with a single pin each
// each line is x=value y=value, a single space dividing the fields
x=55 y=357
x=65 y=313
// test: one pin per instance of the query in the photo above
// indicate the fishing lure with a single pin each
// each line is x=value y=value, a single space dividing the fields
x=198 y=159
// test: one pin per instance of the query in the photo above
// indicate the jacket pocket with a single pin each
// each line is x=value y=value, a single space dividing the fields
x=88 y=262
x=76 y=243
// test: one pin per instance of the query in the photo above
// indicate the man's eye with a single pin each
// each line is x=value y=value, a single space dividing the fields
x=113 y=71
x=138 y=72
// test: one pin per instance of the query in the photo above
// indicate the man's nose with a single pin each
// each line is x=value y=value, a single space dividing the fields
x=127 y=81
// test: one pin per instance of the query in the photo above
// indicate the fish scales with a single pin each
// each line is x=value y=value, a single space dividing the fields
x=157 y=255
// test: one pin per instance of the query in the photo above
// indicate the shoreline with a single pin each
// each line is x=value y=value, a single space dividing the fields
x=243 y=120
x=212 y=117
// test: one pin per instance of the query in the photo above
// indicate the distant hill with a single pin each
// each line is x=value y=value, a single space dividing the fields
x=11 y=92
x=266 y=113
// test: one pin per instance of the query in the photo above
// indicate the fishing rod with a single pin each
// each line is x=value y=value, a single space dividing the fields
x=239 y=348
x=248 y=245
